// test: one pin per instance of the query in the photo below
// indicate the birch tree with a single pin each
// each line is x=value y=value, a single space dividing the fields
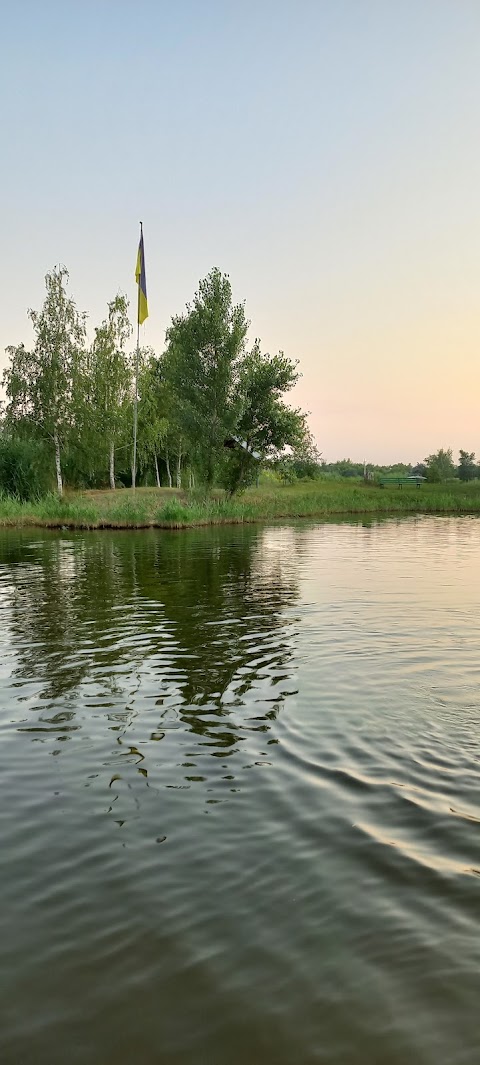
x=152 y=406
x=40 y=383
x=108 y=384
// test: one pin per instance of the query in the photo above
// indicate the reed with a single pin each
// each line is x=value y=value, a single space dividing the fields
x=169 y=509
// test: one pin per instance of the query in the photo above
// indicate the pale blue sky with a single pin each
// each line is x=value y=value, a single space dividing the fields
x=325 y=154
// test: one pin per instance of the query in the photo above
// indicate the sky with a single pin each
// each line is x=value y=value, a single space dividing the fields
x=323 y=153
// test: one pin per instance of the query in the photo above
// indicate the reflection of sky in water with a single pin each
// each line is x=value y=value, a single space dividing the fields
x=262 y=804
x=137 y=639
x=170 y=655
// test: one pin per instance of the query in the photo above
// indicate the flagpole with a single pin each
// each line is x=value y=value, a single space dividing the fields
x=135 y=410
x=135 y=401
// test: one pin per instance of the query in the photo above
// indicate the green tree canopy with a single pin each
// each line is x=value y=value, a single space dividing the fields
x=266 y=424
x=108 y=385
x=40 y=383
x=467 y=467
x=202 y=366
x=153 y=424
x=440 y=466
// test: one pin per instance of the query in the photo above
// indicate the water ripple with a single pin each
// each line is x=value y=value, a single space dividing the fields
x=239 y=784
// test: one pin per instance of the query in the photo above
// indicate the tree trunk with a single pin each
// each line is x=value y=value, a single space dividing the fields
x=179 y=469
x=191 y=479
x=58 y=465
x=112 y=465
x=159 y=483
x=169 y=475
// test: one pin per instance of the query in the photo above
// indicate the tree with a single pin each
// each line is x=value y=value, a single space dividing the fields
x=108 y=384
x=467 y=467
x=440 y=466
x=40 y=384
x=346 y=468
x=202 y=364
x=153 y=423
x=306 y=458
x=266 y=425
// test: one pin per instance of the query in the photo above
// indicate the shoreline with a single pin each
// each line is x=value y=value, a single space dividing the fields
x=172 y=509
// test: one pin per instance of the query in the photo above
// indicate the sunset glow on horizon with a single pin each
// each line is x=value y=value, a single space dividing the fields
x=323 y=154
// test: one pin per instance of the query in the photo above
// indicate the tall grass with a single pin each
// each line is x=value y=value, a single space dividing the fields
x=23 y=468
x=128 y=513
x=48 y=511
x=180 y=513
x=309 y=500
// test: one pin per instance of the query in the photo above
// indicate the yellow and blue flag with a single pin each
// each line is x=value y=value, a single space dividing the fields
x=141 y=281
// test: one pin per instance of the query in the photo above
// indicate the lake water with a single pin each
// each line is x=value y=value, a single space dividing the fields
x=239 y=795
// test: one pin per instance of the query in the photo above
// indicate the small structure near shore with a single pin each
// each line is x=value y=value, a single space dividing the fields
x=410 y=479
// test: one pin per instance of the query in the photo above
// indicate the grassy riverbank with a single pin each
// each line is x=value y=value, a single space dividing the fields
x=170 y=508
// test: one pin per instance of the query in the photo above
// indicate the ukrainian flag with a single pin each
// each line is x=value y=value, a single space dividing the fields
x=141 y=281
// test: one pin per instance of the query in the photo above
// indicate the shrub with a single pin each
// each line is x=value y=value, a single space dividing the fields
x=23 y=469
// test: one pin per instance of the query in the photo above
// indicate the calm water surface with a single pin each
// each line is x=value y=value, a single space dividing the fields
x=239 y=796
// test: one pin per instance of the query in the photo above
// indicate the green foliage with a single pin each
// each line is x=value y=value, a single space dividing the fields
x=314 y=499
x=78 y=399
x=467 y=467
x=303 y=463
x=286 y=470
x=265 y=424
x=51 y=510
x=129 y=512
x=174 y=511
x=55 y=511
x=105 y=408
x=23 y=468
x=40 y=383
x=440 y=466
x=202 y=364
x=305 y=467
x=154 y=427
x=347 y=468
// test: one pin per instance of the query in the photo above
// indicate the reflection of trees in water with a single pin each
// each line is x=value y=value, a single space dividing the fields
x=226 y=601
x=62 y=604
x=201 y=612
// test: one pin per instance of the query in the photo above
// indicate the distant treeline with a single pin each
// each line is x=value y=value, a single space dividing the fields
x=436 y=468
